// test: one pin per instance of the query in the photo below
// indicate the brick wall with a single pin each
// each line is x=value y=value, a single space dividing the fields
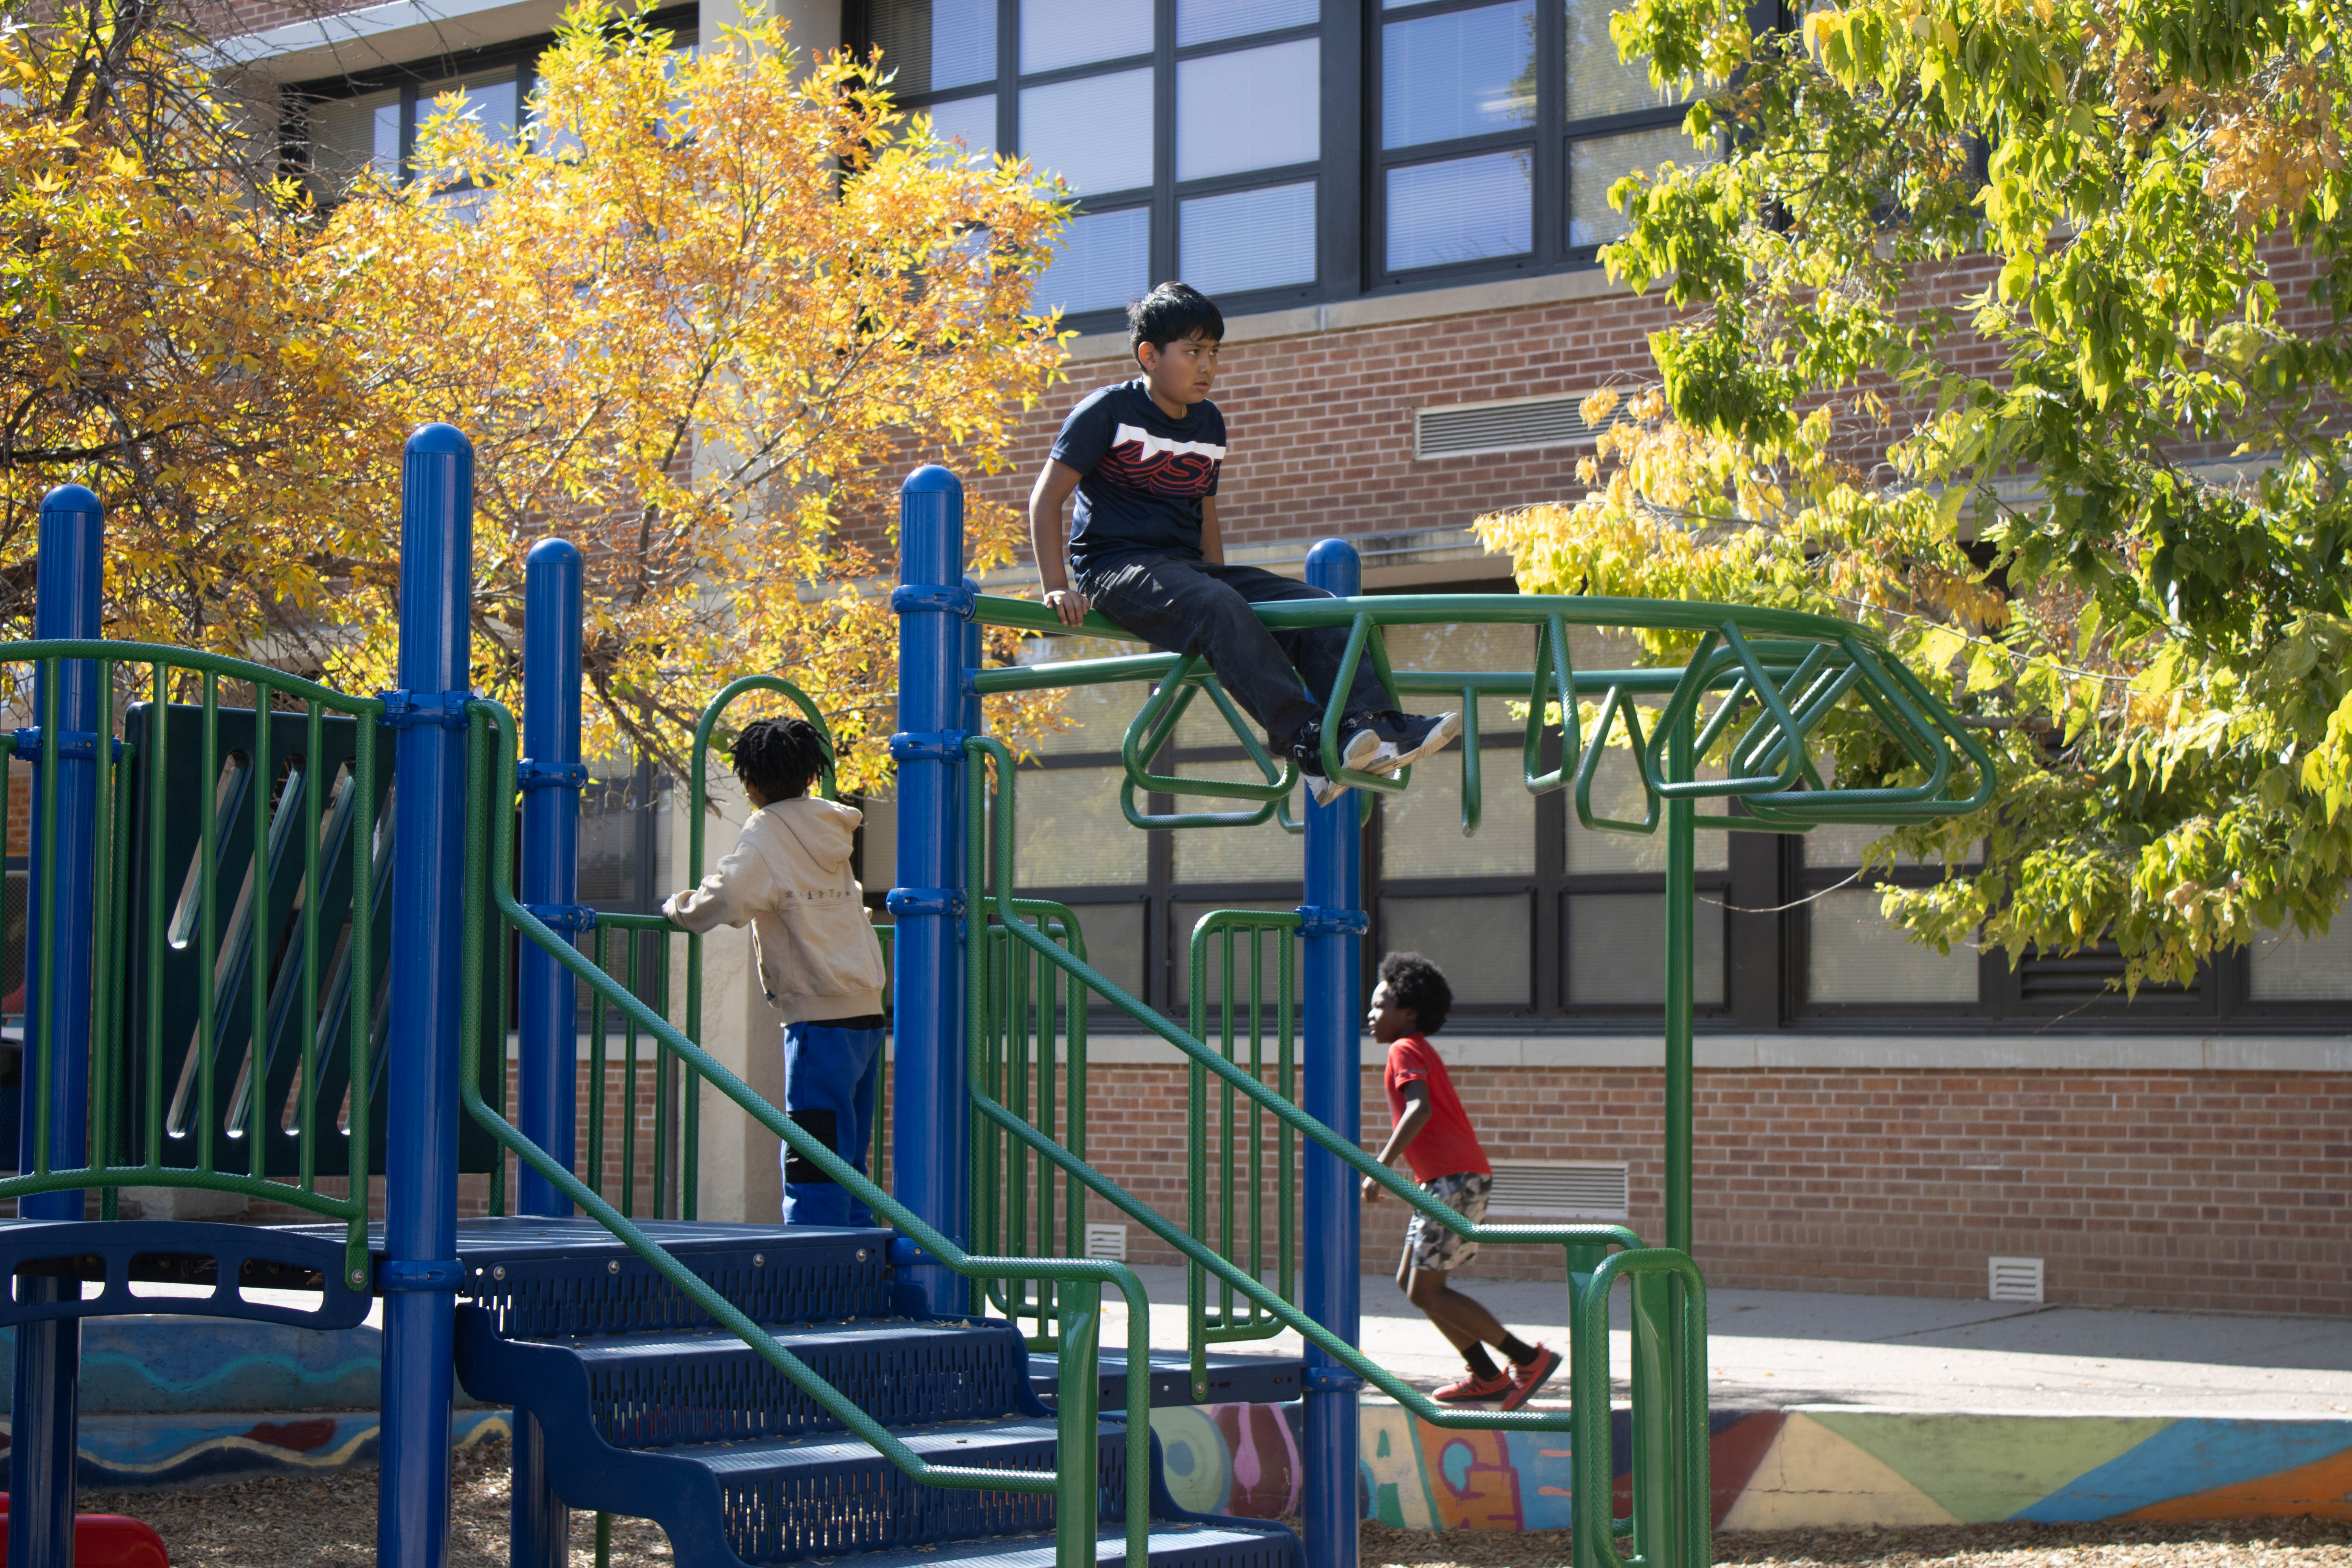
x=2194 y=1190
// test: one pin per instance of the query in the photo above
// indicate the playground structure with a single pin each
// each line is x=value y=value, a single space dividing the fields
x=263 y=958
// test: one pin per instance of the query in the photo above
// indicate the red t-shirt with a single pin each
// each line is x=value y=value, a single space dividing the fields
x=1446 y=1146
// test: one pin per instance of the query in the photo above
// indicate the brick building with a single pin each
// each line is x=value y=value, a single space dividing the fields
x=1399 y=205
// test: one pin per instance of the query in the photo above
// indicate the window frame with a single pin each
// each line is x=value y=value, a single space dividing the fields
x=410 y=76
x=1351 y=174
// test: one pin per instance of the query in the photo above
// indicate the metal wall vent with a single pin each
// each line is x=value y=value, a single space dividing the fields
x=2013 y=1280
x=1513 y=424
x=1559 y=1189
x=1107 y=1241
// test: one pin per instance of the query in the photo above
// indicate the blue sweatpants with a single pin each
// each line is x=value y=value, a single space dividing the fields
x=830 y=1076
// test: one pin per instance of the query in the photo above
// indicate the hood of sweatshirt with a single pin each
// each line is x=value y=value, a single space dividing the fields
x=825 y=830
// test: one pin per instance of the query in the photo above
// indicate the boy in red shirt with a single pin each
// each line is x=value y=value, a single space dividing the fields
x=1432 y=1131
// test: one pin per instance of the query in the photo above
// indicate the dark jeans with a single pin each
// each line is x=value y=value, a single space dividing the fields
x=830 y=1077
x=1183 y=605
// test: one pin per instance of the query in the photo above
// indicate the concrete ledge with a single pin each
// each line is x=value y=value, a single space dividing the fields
x=1806 y=1468
x=1796 y=1052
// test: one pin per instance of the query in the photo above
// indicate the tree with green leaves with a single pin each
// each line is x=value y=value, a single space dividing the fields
x=2015 y=328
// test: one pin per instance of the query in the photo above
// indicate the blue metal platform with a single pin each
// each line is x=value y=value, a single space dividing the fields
x=1233 y=1379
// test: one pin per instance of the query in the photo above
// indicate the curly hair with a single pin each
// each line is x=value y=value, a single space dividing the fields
x=1415 y=983
x=778 y=757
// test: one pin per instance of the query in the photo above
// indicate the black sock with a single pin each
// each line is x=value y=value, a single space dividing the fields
x=1480 y=1363
x=1518 y=1349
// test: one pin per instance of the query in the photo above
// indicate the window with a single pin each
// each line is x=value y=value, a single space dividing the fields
x=1501 y=128
x=366 y=124
x=1192 y=140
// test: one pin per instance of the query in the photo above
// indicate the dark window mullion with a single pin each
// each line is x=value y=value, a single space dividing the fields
x=1246 y=41
x=1340 y=205
x=1248 y=180
x=1163 y=249
x=1008 y=73
x=1550 y=172
x=1459 y=147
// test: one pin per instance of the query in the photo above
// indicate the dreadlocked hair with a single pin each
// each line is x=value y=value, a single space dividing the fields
x=778 y=757
x=1415 y=983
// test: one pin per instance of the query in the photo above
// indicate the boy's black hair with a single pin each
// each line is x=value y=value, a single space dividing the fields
x=1415 y=983
x=1169 y=313
x=778 y=757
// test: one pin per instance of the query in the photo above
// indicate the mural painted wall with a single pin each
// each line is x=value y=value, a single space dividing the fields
x=1804 y=1467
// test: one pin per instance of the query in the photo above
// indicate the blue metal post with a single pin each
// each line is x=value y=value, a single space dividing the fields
x=420 y=1189
x=931 y=1104
x=57 y=1005
x=1332 y=1017
x=551 y=836
x=538 y=1525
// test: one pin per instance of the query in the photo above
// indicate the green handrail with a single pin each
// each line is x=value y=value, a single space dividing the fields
x=118 y=1060
x=490 y=845
x=1220 y=1324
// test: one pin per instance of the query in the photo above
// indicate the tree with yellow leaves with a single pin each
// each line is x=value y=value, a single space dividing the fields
x=700 y=317
x=2016 y=328
x=163 y=338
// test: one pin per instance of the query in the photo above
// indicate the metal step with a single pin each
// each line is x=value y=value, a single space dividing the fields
x=658 y=1390
x=1208 y=1543
x=827 y=1494
x=1233 y=1379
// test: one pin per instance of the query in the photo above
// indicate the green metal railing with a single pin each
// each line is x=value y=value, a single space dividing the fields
x=1242 y=1022
x=490 y=839
x=1669 y=1459
x=1780 y=674
x=1016 y=1209
x=210 y=1098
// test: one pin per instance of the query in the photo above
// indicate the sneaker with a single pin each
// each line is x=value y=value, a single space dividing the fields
x=1525 y=1380
x=1470 y=1389
x=1359 y=746
x=1406 y=737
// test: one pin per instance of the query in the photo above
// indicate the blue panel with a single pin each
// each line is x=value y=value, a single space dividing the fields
x=2201 y=1453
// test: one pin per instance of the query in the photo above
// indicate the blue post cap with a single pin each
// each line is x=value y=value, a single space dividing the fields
x=1332 y=552
x=552 y=552
x=73 y=499
x=931 y=478
x=438 y=439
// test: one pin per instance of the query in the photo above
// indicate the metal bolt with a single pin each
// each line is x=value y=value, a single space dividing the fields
x=861 y=1254
x=758 y=1260
x=613 y=1266
x=499 y=1272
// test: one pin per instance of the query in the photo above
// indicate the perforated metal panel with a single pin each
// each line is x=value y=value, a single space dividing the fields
x=613 y=1292
x=786 y=1501
x=655 y=1390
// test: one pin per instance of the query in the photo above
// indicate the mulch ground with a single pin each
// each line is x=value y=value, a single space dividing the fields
x=296 y=1523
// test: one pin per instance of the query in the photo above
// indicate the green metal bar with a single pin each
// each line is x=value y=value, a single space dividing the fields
x=207 y=910
x=313 y=744
x=1682 y=861
x=257 y=934
x=602 y=940
x=361 y=1008
x=157 y=777
x=105 y=976
x=45 y=1074
x=1471 y=609
x=629 y=1091
x=664 y=1092
x=1076 y=1391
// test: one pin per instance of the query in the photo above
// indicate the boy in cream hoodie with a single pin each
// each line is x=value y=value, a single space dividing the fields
x=820 y=963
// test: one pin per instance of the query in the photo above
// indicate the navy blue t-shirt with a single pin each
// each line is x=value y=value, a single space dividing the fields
x=1142 y=473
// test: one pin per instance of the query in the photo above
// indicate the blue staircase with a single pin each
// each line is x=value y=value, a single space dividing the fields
x=647 y=1409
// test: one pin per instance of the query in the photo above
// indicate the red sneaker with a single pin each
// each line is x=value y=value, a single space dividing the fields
x=1525 y=1380
x=1470 y=1389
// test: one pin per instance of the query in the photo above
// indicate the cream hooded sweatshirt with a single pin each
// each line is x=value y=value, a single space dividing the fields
x=788 y=879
